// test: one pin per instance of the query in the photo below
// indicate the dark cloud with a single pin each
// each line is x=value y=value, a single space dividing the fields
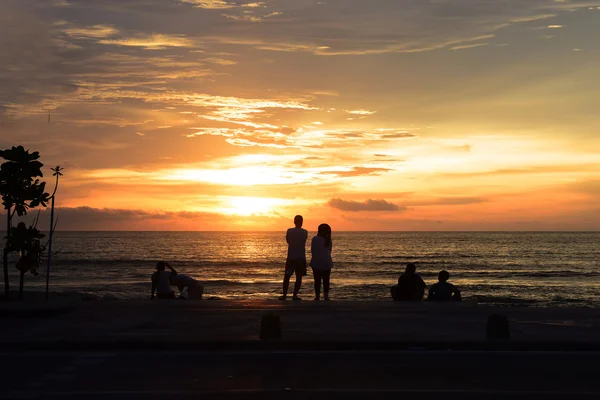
x=384 y=26
x=32 y=59
x=369 y=205
x=106 y=219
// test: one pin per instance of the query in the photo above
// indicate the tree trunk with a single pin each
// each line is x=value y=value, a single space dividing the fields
x=5 y=258
x=50 y=246
x=21 y=285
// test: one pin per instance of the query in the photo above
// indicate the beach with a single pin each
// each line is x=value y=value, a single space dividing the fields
x=143 y=349
x=66 y=319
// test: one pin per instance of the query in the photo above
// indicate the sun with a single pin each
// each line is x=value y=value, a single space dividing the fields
x=250 y=205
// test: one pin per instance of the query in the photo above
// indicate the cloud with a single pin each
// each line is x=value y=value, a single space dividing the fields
x=222 y=4
x=220 y=61
x=360 y=112
x=106 y=219
x=91 y=32
x=589 y=187
x=243 y=17
x=151 y=42
x=357 y=171
x=266 y=135
x=449 y=201
x=369 y=205
x=337 y=27
x=210 y=4
x=35 y=64
x=583 y=168
x=468 y=46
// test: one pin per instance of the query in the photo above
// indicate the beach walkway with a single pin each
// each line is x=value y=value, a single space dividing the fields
x=142 y=349
x=178 y=322
x=288 y=375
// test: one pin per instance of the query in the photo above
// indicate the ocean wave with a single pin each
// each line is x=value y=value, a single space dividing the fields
x=503 y=300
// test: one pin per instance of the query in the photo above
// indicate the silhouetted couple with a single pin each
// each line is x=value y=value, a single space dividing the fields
x=320 y=262
x=411 y=287
x=163 y=279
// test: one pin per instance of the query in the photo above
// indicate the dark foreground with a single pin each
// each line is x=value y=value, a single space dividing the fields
x=299 y=375
x=352 y=350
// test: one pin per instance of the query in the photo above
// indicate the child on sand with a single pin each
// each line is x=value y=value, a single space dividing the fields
x=444 y=291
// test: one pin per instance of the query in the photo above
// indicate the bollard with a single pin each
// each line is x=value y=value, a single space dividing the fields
x=498 y=327
x=270 y=327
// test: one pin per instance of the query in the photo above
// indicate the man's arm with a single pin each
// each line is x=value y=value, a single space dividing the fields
x=153 y=285
x=430 y=294
x=457 y=296
x=173 y=272
x=287 y=237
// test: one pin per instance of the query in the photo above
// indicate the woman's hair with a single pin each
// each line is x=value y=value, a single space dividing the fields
x=325 y=231
x=160 y=266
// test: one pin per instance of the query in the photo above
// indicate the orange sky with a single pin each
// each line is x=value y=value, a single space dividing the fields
x=368 y=115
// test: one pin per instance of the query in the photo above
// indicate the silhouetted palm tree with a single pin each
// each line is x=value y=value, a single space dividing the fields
x=20 y=189
x=26 y=241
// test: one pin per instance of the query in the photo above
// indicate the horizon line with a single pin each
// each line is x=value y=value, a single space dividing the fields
x=341 y=231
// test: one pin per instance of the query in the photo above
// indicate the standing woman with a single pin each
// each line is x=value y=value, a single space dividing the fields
x=321 y=263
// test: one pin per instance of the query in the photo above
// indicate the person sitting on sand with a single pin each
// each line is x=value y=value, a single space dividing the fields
x=183 y=282
x=161 y=281
x=296 y=257
x=411 y=286
x=444 y=291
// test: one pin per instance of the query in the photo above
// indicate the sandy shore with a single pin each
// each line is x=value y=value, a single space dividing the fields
x=66 y=319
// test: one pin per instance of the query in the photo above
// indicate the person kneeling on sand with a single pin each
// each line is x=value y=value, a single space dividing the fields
x=444 y=291
x=186 y=283
x=411 y=286
x=161 y=281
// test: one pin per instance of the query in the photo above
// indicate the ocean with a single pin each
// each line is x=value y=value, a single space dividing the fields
x=499 y=268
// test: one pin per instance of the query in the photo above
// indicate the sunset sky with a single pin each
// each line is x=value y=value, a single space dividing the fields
x=366 y=114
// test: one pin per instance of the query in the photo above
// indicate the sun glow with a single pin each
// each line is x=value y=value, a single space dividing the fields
x=247 y=176
x=245 y=206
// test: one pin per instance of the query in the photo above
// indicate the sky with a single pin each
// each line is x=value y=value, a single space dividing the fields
x=433 y=115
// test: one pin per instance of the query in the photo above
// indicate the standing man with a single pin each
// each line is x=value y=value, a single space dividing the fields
x=296 y=257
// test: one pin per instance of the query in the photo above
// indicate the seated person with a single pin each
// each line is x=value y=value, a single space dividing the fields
x=183 y=281
x=161 y=281
x=444 y=291
x=410 y=285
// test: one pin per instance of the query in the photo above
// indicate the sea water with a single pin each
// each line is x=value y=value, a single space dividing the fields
x=509 y=268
